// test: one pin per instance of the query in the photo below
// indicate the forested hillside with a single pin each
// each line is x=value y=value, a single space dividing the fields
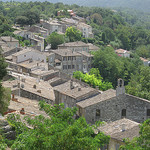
x=135 y=4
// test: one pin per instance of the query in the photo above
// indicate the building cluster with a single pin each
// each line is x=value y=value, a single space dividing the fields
x=47 y=75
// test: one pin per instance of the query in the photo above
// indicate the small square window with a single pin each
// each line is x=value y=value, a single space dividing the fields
x=98 y=112
x=148 y=112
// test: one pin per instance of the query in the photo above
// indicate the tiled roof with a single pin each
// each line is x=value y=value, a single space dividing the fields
x=75 y=44
x=120 y=129
x=65 y=52
x=96 y=99
x=8 y=39
x=121 y=51
x=75 y=92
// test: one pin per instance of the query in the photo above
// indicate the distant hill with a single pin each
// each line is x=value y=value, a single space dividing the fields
x=143 y=5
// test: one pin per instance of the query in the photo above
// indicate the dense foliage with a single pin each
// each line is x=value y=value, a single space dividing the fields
x=73 y=34
x=4 y=93
x=141 y=142
x=58 y=131
x=94 y=79
x=112 y=67
x=139 y=84
x=55 y=39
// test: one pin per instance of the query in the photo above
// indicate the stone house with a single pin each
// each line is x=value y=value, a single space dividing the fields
x=85 y=29
x=112 y=105
x=51 y=26
x=44 y=74
x=29 y=66
x=31 y=88
x=28 y=53
x=122 y=53
x=93 y=47
x=37 y=43
x=9 y=41
x=146 y=62
x=87 y=61
x=7 y=51
x=118 y=131
x=75 y=46
x=71 y=92
x=68 y=61
x=40 y=30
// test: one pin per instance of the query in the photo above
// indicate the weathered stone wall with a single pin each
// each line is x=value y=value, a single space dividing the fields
x=29 y=95
x=111 y=109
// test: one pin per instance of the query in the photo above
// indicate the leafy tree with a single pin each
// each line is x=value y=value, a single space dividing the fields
x=139 y=84
x=112 y=67
x=55 y=39
x=93 y=78
x=141 y=142
x=22 y=20
x=4 y=93
x=60 y=131
x=97 y=18
x=73 y=34
x=143 y=51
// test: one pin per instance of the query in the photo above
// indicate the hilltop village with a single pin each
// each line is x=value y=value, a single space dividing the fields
x=42 y=71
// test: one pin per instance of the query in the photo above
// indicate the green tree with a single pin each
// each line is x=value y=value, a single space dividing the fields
x=60 y=131
x=94 y=79
x=73 y=34
x=4 y=93
x=139 y=84
x=55 y=39
x=141 y=142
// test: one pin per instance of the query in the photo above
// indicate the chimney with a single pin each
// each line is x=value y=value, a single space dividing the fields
x=123 y=127
x=71 y=84
x=120 y=88
x=79 y=89
x=34 y=86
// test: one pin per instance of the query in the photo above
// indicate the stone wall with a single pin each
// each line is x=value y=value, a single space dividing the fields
x=33 y=96
x=111 y=109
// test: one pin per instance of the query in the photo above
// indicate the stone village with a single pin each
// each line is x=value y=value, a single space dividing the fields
x=46 y=74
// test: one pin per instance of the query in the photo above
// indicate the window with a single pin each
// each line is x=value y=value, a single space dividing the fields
x=69 y=66
x=64 y=58
x=58 y=64
x=148 y=112
x=73 y=66
x=74 y=58
x=98 y=112
x=64 y=67
x=69 y=58
x=123 y=113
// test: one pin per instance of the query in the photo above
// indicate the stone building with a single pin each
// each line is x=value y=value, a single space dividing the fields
x=122 y=53
x=72 y=92
x=78 y=46
x=118 y=131
x=28 y=53
x=7 y=51
x=31 y=88
x=87 y=61
x=85 y=29
x=112 y=105
x=146 y=62
x=9 y=41
x=51 y=26
x=68 y=61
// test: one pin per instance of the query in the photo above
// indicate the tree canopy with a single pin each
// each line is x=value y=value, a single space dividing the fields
x=73 y=34
x=58 y=131
x=55 y=39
